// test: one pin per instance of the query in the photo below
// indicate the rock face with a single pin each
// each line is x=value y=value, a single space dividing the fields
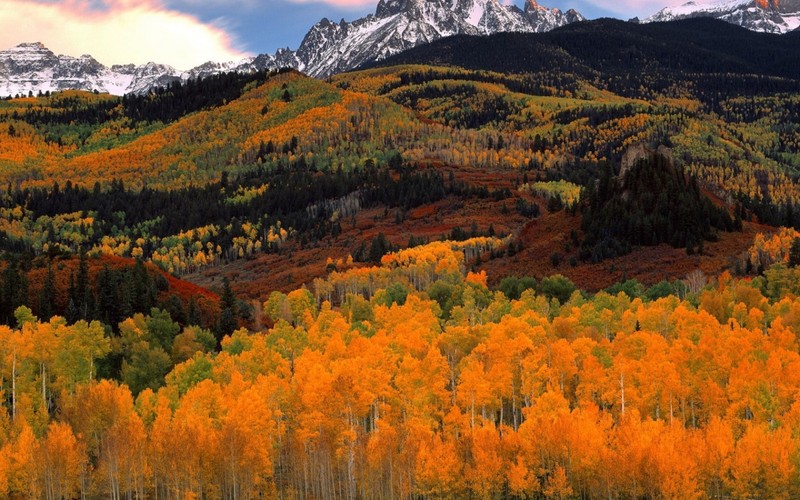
x=770 y=16
x=638 y=152
x=327 y=48
x=398 y=25
x=31 y=66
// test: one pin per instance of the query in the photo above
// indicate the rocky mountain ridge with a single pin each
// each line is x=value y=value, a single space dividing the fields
x=769 y=16
x=327 y=48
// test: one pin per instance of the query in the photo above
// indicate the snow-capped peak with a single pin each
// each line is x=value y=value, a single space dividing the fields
x=771 y=16
x=398 y=25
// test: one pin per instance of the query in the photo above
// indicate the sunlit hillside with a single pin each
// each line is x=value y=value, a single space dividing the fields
x=528 y=266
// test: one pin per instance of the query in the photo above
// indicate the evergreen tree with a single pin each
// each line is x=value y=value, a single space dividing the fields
x=14 y=291
x=378 y=248
x=47 y=297
x=108 y=297
x=228 y=318
x=193 y=316
x=794 y=253
x=82 y=295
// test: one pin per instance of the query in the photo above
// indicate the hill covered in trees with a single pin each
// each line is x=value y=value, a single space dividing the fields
x=616 y=50
x=454 y=277
x=650 y=202
x=278 y=173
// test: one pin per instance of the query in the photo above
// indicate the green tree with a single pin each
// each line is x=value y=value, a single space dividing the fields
x=193 y=315
x=145 y=367
x=47 y=295
x=228 y=317
x=558 y=287
x=378 y=248
x=794 y=253
x=161 y=330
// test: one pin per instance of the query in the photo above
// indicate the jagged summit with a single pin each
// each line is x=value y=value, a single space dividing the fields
x=29 y=46
x=770 y=16
x=398 y=25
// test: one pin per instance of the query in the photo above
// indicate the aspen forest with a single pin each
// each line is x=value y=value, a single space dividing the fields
x=423 y=381
x=527 y=266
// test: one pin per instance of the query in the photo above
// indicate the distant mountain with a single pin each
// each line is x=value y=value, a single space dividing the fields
x=770 y=16
x=327 y=48
x=33 y=68
x=626 y=51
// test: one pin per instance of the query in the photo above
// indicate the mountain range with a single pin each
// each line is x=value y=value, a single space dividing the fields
x=620 y=53
x=327 y=48
x=330 y=47
x=769 y=16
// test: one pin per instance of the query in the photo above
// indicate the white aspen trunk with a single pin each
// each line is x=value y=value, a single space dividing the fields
x=44 y=387
x=14 y=385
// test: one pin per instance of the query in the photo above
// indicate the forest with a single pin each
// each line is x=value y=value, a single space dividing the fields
x=423 y=382
x=650 y=203
x=263 y=172
x=446 y=276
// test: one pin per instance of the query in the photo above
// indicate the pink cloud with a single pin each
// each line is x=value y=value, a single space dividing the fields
x=345 y=4
x=116 y=31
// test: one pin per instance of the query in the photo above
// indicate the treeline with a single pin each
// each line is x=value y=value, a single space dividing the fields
x=767 y=212
x=176 y=100
x=479 y=108
x=92 y=289
x=542 y=83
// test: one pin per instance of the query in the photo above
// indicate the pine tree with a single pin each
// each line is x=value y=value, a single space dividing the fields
x=794 y=253
x=47 y=297
x=108 y=297
x=228 y=317
x=193 y=316
x=82 y=296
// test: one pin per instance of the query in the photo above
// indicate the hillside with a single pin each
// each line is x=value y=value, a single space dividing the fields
x=591 y=90
x=275 y=173
x=611 y=46
x=527 y=266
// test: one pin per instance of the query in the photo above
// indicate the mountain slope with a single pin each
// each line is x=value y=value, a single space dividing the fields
x=627 y=58
x=770 y=16
x=288 y=117
x=312 y=169
x=724 y=98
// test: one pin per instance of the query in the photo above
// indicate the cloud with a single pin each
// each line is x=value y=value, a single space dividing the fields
x=629 y=8
x=116 y=31
x=342 y=4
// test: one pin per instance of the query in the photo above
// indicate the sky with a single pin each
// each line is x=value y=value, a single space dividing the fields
x=185 y=33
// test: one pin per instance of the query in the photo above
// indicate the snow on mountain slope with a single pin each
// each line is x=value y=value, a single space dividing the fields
x=398 y=25
x=30 y=68
x=327 y=48
x=770 y=16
